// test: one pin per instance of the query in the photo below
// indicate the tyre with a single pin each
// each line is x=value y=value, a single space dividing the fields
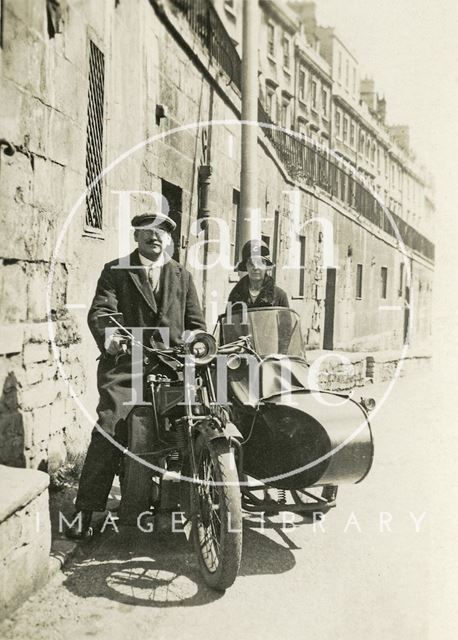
x=217 y=513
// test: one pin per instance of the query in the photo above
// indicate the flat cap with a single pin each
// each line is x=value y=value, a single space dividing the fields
x=154 y=220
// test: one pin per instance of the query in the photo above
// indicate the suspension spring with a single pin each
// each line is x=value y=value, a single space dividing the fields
x=281 y=496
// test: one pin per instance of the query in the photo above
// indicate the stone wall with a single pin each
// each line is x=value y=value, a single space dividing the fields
x=25 y=535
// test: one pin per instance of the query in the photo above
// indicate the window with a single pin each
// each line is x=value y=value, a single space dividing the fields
x=383 y=281
x=352 y=134
x=301 y=288
x=53 y=17
x=354 y=81
x=271 y=104
x=401 y=279
x=284 y=121
x=345 y=129
x=302 y=128
x=359 y=281
x=324 y=102
x=338 y=123
x=373 y=153
x=302 y=84
x=270 y=39
x=361 y=142
x=286 y=52
x=314 y=93
x=347 y=74
x=339 y=68
x=368 y=148
x=94 y=138
x=234 y=225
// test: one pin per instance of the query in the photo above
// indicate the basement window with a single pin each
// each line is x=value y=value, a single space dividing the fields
x=94 y=138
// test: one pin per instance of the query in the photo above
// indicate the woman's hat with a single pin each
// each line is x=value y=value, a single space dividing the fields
x=153 y=220
x=254 y=249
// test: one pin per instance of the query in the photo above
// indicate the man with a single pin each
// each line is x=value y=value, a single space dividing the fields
x=150 y=290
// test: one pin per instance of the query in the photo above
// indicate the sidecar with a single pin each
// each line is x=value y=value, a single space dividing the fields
x=296 y=438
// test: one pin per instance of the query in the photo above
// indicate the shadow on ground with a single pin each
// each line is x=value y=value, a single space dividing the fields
x=160 y=570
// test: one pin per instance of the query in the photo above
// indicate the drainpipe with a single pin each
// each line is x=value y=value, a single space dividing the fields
x=248 y=223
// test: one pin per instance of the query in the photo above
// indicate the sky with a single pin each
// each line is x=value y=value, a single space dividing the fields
x=410 y=49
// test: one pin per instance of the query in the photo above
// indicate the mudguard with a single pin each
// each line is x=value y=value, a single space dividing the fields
x=207 y=427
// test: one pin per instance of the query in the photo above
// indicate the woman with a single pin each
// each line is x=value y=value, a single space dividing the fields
x=257 y=288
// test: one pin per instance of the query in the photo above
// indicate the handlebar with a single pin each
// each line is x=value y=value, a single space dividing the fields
x=179 y=352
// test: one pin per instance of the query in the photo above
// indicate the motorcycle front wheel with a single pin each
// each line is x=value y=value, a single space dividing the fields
x=217 y=513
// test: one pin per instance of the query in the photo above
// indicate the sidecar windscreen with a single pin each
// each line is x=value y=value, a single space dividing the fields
x=274 y=330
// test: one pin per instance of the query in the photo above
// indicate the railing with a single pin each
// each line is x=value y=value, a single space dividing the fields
x=303 y=161
x=314 y=166
x=206 y=24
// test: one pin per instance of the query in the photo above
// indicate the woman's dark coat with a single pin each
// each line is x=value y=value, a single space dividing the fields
x=269 y=296
x=123 y=287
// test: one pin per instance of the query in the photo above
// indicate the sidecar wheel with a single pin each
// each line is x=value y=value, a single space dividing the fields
x=217 y=513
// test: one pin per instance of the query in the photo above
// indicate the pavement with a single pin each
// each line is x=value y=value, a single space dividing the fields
x=366 y=572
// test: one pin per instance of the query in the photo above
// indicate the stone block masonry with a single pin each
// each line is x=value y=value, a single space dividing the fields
x=36 y=409
x=25 y=535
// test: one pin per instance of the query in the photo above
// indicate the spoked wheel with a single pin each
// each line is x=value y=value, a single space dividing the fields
x=217 y=513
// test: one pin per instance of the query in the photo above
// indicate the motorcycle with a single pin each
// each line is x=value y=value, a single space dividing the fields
x=181 y=452
x=232 y=423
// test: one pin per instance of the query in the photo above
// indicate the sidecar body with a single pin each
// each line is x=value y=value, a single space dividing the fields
x=294 y=434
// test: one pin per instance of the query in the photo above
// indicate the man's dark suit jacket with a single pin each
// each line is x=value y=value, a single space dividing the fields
x=123 y=287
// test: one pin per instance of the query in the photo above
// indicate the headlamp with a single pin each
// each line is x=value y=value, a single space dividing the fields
x=201 y=346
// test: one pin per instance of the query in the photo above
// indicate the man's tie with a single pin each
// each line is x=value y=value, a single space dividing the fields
x=153 y=278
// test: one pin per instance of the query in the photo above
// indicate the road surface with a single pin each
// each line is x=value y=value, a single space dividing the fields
x=365 y=573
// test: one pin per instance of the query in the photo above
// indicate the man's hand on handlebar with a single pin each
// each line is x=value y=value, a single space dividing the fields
x=116 y=344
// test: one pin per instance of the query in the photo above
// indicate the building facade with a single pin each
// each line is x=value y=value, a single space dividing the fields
x=99 y=87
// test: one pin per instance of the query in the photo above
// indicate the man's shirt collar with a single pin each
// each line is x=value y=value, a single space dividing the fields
x=146 y=262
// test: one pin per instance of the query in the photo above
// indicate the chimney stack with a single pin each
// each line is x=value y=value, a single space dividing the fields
x=367 y=90
x=381 y=109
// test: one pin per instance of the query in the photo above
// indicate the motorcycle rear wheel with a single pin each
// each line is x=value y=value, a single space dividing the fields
x=217 y=513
